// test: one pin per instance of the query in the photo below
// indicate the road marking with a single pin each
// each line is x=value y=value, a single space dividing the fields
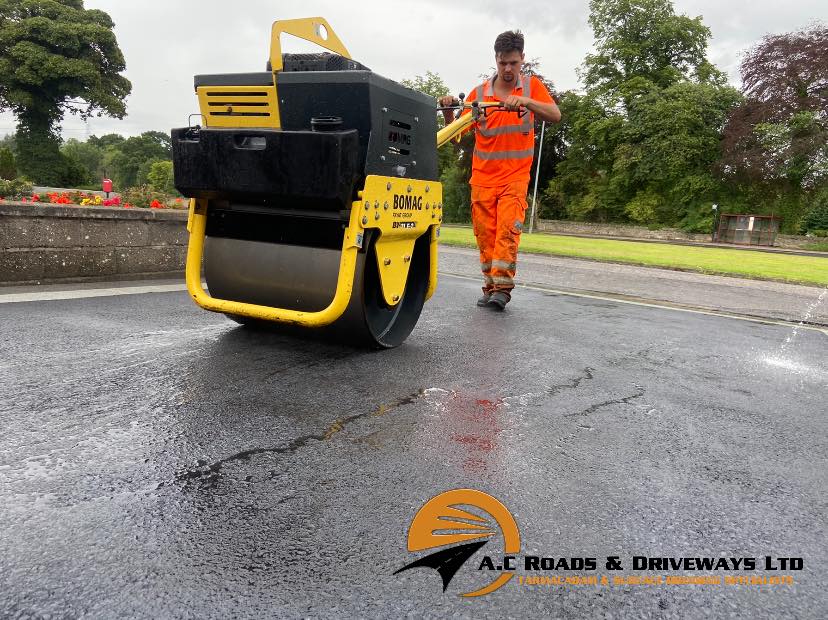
x=653 y=304
x=12 y=298
x=171 y=288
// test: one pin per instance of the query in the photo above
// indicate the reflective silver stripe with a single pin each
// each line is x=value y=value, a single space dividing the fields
x=498 y=131
x=485 y=266
x=480 y=94
x=504 y=154
x=476 y=93
x=529 y=118
x=488 y=279
x=502 y=264
x=502 y=280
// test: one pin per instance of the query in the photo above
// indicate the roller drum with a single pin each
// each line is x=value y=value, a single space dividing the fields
x=304 y=278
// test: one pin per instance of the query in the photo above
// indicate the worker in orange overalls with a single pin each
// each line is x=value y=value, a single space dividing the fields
x=501 y=163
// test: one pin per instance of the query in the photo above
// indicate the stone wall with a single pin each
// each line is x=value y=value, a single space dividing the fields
x=40 y=244
x=642 y=232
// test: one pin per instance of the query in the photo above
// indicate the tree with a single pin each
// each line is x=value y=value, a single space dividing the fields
x=8 y=167
x=8 y=142
x=545 y=159
x=776 y=142
x=86 y=154
x=106 y=141
x=644 y=137
x=641 y=42
x=160 y=177
x=584 y=187
x=56 y=57
x=671 y=146
x=128 y=162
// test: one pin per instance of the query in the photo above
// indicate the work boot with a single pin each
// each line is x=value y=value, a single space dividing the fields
x=498 y=300
x=484 y=300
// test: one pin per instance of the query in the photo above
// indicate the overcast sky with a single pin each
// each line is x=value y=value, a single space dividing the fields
x=166 y=42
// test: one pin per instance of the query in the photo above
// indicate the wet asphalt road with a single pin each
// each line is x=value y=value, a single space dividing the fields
x=160 y=461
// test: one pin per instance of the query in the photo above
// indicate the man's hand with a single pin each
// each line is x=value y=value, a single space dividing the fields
x=445 y=102
x=543 y=111
x=514 y=103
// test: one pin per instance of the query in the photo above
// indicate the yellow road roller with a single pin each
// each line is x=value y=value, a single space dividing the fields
x=314 y=193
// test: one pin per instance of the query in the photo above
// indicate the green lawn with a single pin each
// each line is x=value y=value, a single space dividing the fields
x=749 y=264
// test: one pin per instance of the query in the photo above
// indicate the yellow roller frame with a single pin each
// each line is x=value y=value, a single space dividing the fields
x=402 y=210
x=414 y=206
x=314 y=29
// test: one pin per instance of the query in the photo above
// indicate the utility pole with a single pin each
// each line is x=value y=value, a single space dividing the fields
x=537 y=173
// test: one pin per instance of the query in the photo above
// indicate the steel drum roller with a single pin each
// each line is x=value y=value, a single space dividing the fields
x=314 y=194
x=303 y=278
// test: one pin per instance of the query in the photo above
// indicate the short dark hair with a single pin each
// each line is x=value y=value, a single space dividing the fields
x=509 y=41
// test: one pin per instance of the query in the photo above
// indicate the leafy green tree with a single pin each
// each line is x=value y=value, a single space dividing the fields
x=107 y=140
x=160 y=177
x=8 y=167
x=129 y=162
x=585 y=186
x=75 y=173
x=56 y=57
x=8 y=142
x=776 y=142
x=645 y=136
x=430 y=84
x=87 y=155
x=672 y=142
x=815 y=220
x=545 y=159
x=641 y=43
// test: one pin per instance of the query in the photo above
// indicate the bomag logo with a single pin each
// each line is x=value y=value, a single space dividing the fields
x=410 y=203
x=442 y=521
x=399 y=138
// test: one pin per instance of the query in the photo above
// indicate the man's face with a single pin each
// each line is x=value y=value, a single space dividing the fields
x=508 y=66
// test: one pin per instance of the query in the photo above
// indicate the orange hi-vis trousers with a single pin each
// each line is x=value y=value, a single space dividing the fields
x=497 y=219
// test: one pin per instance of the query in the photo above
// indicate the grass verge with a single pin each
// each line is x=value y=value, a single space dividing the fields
x=819 y=246
x=758 y=265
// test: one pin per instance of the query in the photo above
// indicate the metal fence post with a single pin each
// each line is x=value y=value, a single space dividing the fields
x=537 y=173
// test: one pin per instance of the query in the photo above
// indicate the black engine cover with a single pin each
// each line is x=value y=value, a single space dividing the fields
x=296 y=169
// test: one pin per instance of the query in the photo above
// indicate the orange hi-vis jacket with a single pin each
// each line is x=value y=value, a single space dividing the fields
x=504 y=141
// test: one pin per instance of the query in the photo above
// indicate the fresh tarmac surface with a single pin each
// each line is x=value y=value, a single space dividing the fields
x=161 y=461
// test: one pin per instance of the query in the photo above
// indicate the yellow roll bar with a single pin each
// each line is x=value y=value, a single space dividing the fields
x=394 y=248
x=197 y=226
x=455 y=129
x=314 y=29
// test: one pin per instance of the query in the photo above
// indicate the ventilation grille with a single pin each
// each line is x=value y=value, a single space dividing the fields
x=239 y=106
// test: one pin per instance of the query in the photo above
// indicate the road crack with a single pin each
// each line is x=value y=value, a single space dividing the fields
x=212 y=471
x=554 y=390
x=617 y=401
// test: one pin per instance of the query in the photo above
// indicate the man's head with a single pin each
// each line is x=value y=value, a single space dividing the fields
x=508 y=49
